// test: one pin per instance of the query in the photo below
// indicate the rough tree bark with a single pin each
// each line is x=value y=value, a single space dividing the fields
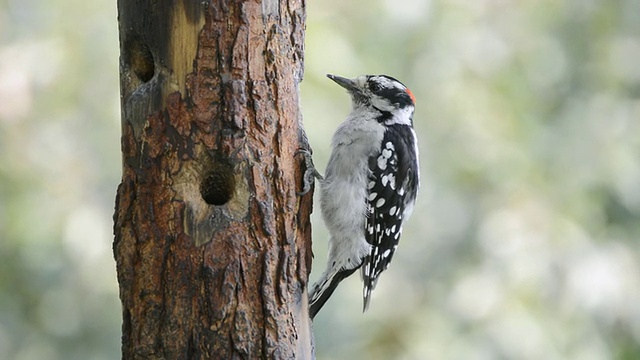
x=212 y=245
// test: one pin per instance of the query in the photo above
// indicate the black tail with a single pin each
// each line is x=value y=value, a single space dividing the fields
x=326 y=291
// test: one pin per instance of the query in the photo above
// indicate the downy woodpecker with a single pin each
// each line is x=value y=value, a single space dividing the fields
x=370 y=184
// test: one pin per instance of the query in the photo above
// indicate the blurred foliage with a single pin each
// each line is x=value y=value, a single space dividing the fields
x=524 y=242
x=59 y=166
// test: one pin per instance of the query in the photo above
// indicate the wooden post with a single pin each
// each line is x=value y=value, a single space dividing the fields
x=212 y=245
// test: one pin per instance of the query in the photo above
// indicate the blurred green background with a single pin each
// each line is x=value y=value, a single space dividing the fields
x=525 y=240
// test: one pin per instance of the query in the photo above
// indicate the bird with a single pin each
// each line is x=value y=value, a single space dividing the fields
x=370 y=183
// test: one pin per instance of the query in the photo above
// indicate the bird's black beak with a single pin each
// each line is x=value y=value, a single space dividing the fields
x=348 y=84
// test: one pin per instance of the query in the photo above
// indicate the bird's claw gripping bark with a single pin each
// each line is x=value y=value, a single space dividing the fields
x=310 y=173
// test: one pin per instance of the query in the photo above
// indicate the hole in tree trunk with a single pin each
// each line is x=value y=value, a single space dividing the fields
x=218 y=183
x=139 y=58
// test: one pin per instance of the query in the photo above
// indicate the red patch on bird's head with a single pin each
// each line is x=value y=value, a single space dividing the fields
x=413 y=98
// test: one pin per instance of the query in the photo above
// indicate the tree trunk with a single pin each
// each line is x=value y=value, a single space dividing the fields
x=212 y=245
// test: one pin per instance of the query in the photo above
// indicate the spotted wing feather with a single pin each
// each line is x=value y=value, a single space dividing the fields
x=392 y=190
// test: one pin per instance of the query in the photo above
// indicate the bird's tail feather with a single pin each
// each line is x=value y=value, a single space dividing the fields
x=323 y=289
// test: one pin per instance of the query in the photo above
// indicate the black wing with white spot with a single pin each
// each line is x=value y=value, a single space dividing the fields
x=392 y=191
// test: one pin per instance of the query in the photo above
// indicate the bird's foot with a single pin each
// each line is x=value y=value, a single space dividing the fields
x=310 y=173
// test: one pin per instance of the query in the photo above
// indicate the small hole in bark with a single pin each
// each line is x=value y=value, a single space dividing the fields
x=218 y=183
x=139 y=58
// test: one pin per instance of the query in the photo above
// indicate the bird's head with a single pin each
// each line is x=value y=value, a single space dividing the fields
x=383 y=93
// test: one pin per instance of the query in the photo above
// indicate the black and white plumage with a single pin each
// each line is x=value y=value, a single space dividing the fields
x=370 y=184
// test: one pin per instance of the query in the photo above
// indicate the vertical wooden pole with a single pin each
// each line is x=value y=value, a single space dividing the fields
x=212 y=245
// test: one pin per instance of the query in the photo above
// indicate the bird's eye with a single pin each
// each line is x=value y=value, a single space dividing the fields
x=374 y=87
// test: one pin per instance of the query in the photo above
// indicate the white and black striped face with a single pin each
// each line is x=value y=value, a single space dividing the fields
x=380 y=91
